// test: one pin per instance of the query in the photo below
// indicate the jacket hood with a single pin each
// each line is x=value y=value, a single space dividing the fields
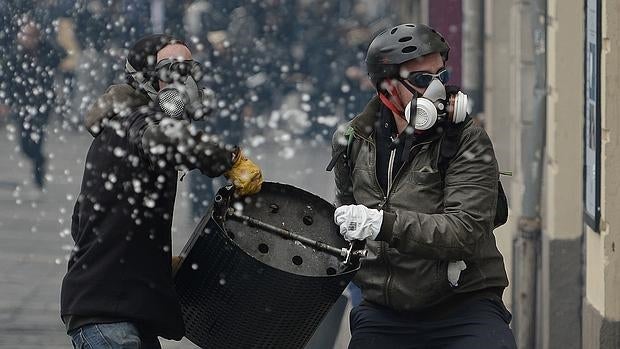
x=118 y=100
x=364 y=123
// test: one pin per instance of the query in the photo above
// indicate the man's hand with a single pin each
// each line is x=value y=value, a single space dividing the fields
x=245 y=175
x=358 y=222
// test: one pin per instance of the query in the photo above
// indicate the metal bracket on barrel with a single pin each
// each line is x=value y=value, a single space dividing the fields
x=351 y=255
x=355 y=252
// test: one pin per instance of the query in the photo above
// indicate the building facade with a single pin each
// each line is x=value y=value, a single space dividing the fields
x=577 y=222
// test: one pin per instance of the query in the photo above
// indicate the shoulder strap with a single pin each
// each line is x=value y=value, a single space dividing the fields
x=449 y=145
x=353 y=150
x=348 y=153
x=448 y=148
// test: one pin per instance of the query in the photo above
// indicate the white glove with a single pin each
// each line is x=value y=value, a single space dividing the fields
x=358 y=222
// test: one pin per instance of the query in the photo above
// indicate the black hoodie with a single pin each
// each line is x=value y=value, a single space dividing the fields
x=120 y=269
x=121 y=224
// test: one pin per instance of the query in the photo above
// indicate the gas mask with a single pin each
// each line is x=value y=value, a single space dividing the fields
x=434 y=104
x=184 y=99
x=181 y=98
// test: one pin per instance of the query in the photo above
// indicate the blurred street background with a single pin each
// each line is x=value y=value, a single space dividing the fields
x=543 y=77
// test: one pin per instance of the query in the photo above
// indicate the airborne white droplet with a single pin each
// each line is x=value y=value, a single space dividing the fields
x=287 y=153
x=118 y=152
x=64 y=233
x=137 y=185
x=148 y=202
x=195 y=266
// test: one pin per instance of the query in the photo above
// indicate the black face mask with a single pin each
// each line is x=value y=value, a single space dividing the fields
x=182 y=98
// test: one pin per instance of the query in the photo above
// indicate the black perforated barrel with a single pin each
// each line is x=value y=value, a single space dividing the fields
x=242 y=287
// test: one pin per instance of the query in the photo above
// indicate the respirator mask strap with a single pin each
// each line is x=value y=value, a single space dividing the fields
x=409 y=136
x=141 y=80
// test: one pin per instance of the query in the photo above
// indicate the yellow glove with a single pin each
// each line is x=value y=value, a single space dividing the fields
x=245 y=175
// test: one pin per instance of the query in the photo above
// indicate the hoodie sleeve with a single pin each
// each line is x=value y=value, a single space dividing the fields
x=165 y=142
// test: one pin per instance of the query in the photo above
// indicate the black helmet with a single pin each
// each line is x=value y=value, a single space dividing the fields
x=400 y=44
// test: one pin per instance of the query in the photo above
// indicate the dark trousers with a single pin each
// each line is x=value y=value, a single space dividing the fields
x=474 y=323
x=32 y=136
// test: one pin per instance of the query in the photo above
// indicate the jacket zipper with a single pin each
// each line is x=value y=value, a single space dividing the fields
x=390 y=170
x=388 y=280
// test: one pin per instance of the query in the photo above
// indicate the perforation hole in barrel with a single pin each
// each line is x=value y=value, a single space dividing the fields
x=308 y=220
x=331 y=271
x=297 y=260
x=263 y=248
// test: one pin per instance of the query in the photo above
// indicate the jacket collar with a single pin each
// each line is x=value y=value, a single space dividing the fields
x=364 y=123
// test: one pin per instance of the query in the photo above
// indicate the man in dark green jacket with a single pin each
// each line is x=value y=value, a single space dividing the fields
x=434 y=277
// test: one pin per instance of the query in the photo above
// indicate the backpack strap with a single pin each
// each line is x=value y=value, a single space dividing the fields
x=334 y=160
x=447 y=151
x=448 y=147
x=348 y=153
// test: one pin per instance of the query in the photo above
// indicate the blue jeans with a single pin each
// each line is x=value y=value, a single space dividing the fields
x=118 y=335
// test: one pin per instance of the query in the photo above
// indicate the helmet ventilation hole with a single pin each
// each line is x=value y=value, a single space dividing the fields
x=410 y=25
x=409 y=49
x=394 y=30
x=405 y=39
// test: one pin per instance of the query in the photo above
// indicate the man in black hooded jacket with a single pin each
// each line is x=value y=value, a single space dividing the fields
x=118 y=291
